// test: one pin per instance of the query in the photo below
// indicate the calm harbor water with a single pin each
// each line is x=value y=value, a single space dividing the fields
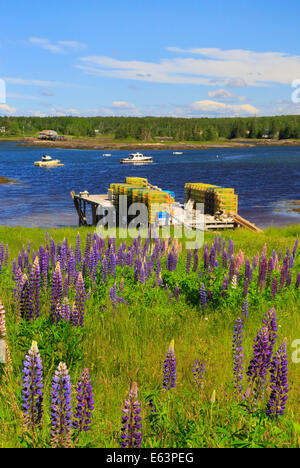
x=267 y=180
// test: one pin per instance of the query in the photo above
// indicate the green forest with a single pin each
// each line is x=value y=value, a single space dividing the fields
x=151 y=128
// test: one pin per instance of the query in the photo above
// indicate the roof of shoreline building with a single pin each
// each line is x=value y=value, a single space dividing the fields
x=48 y=132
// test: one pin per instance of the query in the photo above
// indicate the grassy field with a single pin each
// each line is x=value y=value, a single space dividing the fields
x=128 y=342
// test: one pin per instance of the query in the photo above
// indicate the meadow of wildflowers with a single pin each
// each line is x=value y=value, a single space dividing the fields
x=122 y=343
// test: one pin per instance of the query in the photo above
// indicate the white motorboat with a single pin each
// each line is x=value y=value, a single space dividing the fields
x=177 y=152
x=136 y=158
x=106 y=155
x=47 y=161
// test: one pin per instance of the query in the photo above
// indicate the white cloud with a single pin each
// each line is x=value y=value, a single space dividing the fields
x=60 y=47
x=215 y=108
x=61 y=112
x=123 y=105
x=7 y=110
x=221 y=94
x=74 y=45
x=211 y=66
x=39 y=83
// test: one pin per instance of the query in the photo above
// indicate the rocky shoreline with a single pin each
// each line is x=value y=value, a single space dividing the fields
x=94 y=145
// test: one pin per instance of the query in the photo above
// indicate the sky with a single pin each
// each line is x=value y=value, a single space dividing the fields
x=179 y=58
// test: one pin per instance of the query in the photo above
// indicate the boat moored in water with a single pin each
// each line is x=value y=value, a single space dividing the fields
x=136 y=158
x=47 y=161
x=106 y=155
x=177 y=152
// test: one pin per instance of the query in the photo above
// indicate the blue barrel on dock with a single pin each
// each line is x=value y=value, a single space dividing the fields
x=171 y=193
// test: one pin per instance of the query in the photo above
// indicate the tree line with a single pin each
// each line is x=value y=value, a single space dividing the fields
x=156 y=128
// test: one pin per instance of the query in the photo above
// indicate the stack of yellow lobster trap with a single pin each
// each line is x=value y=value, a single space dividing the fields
x=215 y=199
x=137 y=191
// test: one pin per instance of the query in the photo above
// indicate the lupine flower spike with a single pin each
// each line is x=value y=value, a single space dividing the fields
x=279 y=383
x=32 y=388
x=238 y=357
x=61 y=408
x=170 y=368
x=85 y=403
x=198 y=373
x=131 y=436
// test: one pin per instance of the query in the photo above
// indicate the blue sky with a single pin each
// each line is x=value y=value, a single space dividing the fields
x=189 y=58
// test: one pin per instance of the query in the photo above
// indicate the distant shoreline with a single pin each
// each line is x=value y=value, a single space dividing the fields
x=89 y=144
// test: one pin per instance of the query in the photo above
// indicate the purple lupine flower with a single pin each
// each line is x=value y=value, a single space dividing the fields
x=158 y=279
x=74 y=317
x=19 y=283
x=14 y=269
x=131 y=435
x=65 y=310
x=52 y=252
x=259 y=365
x=71 y=267
x=65 y=286
x=78 y=250
x=114 y=298
x=245 y=308
x=6 y=255
x=2 y=322
x=25 y=303
x=297 y=281
x=85 y=403
x=172 y=261
x=56 y=291
x=196 y=261
x=80 y=298
x=270 y=270
x=61 y=408
x=170 y=368
x=203 y=299
x=238 y=357
x=198 y=373
x=270 y=321
x=274 y=287
x=212 y=256
x=230 y=248
x=112 y=263
x=34 y=290
x=279 y=383
x=88 y=245
x=283 y=275
x=262 y=273
x=225 y=286
x=224 y=258
x=206 y=257
x=32 y=387
x=231 y=270
x=280 y=255
x=288 y=281
x=142 y=274
x=104 y=270
x=246 y=287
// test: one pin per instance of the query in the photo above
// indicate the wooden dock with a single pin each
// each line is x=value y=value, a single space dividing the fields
x=180 y=217
x=84 y=199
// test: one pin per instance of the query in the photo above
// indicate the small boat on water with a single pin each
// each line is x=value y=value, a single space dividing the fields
x=47 y=161
x=177 y=152
x=136 y=158
x=106 y=155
